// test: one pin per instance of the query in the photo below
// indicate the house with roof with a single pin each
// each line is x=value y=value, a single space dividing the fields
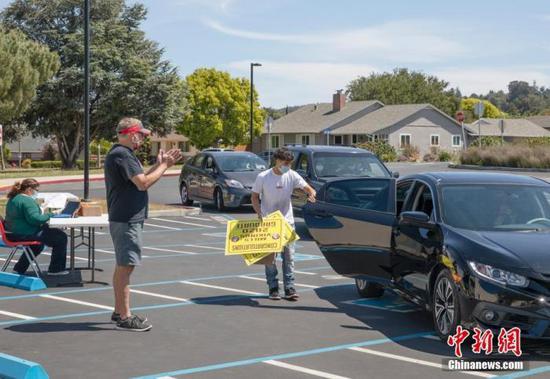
x=509 y=129
x=543 y=121
x=349 y=123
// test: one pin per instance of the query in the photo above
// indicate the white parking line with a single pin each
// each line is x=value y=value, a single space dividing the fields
x=305 y=370
x=197 y=218
x=219 y=288
x=170 y=250
x=207 y=247
x=161 y=226
x=77 y=302
x=417 y=361
x=183 y=222
x=105 y=251
x=159 y=295
x=305 y=272
x=12 y=261
x=77 y=258
x=263 y=280
x=16 y=315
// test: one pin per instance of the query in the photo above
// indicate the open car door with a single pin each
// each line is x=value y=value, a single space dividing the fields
x=352 y=223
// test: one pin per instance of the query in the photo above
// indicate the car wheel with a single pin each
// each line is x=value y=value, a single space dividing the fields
x=368 y=289
x=218 y=200
x=184 y=193
x=446 y=307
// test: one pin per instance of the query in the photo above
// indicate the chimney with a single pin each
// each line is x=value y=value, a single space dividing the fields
x=338 y=101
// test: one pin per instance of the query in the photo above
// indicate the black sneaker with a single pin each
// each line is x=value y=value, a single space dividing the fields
x=134 y=324
x=274 y=294
x=290 y=294
x=115 y=317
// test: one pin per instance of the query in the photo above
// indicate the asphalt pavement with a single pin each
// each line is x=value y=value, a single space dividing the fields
x=212 y=319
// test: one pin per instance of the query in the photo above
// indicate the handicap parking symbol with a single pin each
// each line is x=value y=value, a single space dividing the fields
x=390 y=301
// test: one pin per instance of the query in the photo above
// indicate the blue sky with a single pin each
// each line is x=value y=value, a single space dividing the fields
x=310 y=48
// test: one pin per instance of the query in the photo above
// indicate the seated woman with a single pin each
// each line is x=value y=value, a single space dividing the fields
x=26 y=222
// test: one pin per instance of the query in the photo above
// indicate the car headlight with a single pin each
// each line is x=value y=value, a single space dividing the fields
x=233 y=183
x=498 y=275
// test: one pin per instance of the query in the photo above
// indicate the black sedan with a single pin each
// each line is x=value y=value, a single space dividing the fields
x=472 y=248
x=223 y=178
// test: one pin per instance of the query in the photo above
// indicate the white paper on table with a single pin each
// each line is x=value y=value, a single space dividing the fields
x=55 y=200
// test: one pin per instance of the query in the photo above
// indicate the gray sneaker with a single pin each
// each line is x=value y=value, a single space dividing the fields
x=115 y=317
x=59 y=273
x=134 y=324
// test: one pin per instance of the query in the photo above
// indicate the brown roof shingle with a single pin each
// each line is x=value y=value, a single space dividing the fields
x=314 y=118
x=513 y=127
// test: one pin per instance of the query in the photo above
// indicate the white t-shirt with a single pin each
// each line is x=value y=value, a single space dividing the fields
x=276 y=191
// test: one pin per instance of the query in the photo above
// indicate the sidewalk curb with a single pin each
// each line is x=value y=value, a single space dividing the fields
x=75 y=180
x=496 y=168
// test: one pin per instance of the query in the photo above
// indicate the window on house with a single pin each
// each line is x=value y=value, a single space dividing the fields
x=434 y=140
x=304 y=139
x=275 y=142
x=183 y=146
x=338 y=140
x=457 y=141
x=404 y=140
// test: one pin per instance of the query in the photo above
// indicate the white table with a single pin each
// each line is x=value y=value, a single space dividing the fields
x=90 y=223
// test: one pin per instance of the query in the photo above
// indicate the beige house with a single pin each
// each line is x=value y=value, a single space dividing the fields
x=348 y=123
x=510 y=129
x=172 y=141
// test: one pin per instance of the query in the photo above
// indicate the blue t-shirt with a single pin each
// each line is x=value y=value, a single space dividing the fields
x=125 y=202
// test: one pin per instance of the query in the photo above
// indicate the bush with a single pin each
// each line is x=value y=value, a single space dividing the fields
x=444 y=156
x=380 y=148
x=538 y=141
x=412 y=153
x=26 y=163
x=488 y=141
x=46 y=164
x=80 y=163
x=518 y=156
x=429 y=158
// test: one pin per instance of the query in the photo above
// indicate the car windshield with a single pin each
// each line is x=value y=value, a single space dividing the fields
x=234 y=163
x=348 y=165
x=496 y=207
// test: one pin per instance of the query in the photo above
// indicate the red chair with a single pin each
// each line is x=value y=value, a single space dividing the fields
x=25 y=246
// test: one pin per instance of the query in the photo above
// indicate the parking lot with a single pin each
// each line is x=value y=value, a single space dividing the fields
x=211 y=318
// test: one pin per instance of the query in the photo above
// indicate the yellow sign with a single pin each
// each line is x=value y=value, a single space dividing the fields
x=254 y=240
x=253 y=236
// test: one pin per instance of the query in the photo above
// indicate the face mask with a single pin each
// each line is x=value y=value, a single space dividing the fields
x=34 y=194
x=284 y=169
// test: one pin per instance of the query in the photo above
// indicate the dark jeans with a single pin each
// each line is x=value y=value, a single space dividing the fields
x=52 y=237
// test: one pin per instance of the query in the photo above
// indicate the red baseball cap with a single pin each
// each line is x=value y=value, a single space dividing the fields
x=135 y=127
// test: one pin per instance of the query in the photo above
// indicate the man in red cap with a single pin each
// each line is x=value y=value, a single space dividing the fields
x=127 y=204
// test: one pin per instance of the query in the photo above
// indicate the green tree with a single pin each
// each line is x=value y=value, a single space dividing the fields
x=24 y=66
x=490 y=110
x=219 y=108
x=405 y=87
x=129 y=76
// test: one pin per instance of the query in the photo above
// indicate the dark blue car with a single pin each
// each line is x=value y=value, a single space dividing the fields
x=473 y=248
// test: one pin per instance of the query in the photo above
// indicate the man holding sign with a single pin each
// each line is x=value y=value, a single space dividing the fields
x=272 y=192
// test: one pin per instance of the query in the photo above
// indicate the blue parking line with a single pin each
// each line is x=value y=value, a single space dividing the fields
x=221 y=298
x=146 y=284
x=251 y=361
x=523 y=374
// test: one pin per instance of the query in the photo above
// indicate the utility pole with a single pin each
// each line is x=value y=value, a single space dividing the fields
x=86 y=99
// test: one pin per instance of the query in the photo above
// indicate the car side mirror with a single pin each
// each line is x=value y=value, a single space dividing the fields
x=395 y=174
x=419 y=219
